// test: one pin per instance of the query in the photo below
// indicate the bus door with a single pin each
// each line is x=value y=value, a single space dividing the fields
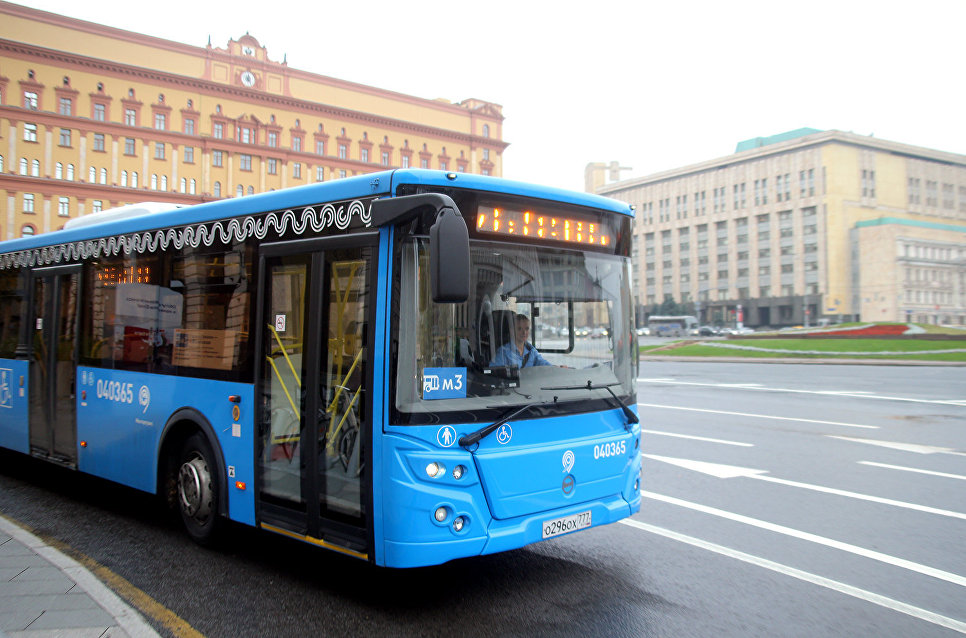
x=55 y=311
x=314 y=390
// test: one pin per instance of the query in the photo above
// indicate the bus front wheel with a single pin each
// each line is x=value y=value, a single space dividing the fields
x=198 y=490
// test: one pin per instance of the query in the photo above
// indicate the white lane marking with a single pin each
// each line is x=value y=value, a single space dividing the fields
x=758 y=416
x=894 y=445
x=859 y=394
x=902 y=563
x=731 y=471
x=912 y=469
x=821 y=581
x=740 y=385
x=698 y=438
x=714 y=469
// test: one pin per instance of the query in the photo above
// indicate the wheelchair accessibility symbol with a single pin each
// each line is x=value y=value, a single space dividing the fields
x=504 y=434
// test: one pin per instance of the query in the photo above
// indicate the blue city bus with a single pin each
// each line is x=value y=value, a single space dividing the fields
x=324 y=362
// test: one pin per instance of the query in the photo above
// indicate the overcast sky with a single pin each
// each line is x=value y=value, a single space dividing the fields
x=653 y=85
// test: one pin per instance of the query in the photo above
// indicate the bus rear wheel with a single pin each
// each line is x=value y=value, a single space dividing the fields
x=197 y=483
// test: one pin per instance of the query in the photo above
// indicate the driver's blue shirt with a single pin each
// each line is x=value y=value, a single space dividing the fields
x=508 y=355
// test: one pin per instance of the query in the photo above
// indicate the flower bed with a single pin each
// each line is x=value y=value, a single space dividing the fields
x=874 y=330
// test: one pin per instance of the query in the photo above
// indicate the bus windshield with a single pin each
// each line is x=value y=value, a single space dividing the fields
x=537 y=319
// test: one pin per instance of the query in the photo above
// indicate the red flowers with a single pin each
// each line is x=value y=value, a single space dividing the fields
x=876 y=330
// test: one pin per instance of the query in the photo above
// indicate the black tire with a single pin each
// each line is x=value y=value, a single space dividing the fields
x=198 y=490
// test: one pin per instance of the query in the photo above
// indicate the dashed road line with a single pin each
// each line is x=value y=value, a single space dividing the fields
x=821 y=581
x=758 y=416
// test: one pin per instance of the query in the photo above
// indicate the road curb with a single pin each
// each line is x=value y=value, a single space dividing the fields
x=127 y=617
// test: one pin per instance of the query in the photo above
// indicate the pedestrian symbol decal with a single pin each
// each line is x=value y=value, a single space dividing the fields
x=446 y=436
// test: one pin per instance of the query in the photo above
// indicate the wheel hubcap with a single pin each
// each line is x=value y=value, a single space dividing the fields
x=194 y=488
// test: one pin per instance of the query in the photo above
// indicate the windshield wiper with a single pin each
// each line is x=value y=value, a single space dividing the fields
x=628 y=414
x=469 y=439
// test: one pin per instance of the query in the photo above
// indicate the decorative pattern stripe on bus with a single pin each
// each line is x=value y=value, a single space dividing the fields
x=238 y=229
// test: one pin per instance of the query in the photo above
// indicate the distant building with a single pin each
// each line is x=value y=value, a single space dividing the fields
x=804 y=226
x=93 y=117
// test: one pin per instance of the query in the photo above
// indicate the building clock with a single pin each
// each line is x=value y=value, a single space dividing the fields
x=248 y=78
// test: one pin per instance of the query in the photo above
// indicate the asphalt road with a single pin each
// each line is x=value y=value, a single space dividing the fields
x=780 y=500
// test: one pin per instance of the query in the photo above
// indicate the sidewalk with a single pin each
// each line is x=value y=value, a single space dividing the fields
x=46 y=594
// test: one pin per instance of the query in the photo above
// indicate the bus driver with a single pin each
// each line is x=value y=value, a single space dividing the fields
x=519 y=352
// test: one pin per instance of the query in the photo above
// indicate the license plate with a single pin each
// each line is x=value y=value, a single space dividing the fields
x=558 y=526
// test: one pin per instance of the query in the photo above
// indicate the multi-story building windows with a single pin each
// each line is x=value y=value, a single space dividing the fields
x=159 y=150
x=218 y=130
x=70 y=172
x=66 y=106
x=29 y=132
x=59 y=170
x=216 y=189
x=272 y=166
x=914 y=184
x=272 y=139
x=28 y=202
x=739 y=195
x=160 y=121
x=343 y=151
x=245 y=135
x=245 y=162
x=99 y=142
x=297 y=170
x=319 y=147
x=65 y=137
x=932 y=193
x=189 y=154
x=130 y=146
x=868 y=183
x=297 y=144
x=948 y=196
x=364 y=155
x=35 y=168
x=218 y=158
x=385 y=159
x=97 y=206
x=31 y=101
x=130 y=117
x=189 y=126
x=63 y=207
x=319 y=174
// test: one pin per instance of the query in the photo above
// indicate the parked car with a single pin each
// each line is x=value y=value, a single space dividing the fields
x=708 y=331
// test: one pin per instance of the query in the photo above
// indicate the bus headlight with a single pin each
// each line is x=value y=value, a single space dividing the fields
x=458 y=523
x=441 y=514
x=435 y=470
x=458 y=472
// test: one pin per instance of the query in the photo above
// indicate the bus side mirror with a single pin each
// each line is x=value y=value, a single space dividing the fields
x=449 y=243
x=449 y=257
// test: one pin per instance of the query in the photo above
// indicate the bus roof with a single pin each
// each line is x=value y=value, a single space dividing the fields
x=507 y=186
x=368 y=185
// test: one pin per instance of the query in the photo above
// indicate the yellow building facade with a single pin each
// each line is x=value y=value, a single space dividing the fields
x=803 y=226
x=93 y=117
